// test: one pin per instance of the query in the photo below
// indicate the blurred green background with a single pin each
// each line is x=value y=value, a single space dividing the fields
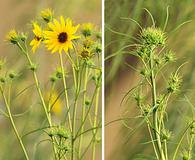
x=17 y=14
x=119 y=78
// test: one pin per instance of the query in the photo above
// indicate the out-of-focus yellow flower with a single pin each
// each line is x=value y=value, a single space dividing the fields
x=12 y=36
x=60 y=35
x=55 y=103
x=87 y=29
x=37 y=38
x=47 y=15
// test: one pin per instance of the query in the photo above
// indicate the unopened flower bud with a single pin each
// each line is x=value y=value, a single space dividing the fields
x=47 y=15
x=86 y=29
x=153 y=36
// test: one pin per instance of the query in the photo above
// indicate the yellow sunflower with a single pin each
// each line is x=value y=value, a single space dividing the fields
x=60 y=35
x=37 y=38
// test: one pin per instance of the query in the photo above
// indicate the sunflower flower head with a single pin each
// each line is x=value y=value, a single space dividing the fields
x=12 y=37
x=87 y=29
x=47 y=15
x=60 y=36
x=38 y=37
x=85 y=53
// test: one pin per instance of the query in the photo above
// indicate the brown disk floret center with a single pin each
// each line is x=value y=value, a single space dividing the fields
x=62 y=37
x=37 y=38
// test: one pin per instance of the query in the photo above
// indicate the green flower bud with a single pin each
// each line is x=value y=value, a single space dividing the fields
x=2 y=79
x=165 y=135
x=169 y=57
x=174 y=83
x=158 y=61
x=87 y=102
x=98 y=139
x=145 y=72
x=99 y=35
x=23 y=37
x=51 y=132
x=153 y=36
x=139 y=98
x=192 y=132
x=192 y=125
x=146 y=110
x=47 y=15
x=97 y=77
x=53 y=79
x=144 y=51
x=98 y=48
x=12 y=75
x=186 y=156
x=62 y=132
x=59 y=73
x=33 y=67
x=86 y=29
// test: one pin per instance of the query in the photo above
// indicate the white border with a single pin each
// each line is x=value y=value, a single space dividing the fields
x=103 y=108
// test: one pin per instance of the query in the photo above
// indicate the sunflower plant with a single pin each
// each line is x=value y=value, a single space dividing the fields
x=71 y=105
x=152 y=95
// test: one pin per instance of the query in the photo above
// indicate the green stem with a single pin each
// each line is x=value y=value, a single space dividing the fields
x=83 y=108
x=92 y=139
x=191 y=145
x=155 y=110
x=65 y=91
x=25 y=52
x=77 y=82
x=166 y=150
x=77 y=92
x=50 y=97
x=13 y=124
x=95 y=123
x=37 y=84
x=152 y=141
x=87 y=113
x=180 y=141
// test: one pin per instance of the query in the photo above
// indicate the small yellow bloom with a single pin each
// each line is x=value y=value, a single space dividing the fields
x=12 y=36
x=60 y=35
x=37 y=38
x=87 y=29
x=47 y=15
x=55 y=103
